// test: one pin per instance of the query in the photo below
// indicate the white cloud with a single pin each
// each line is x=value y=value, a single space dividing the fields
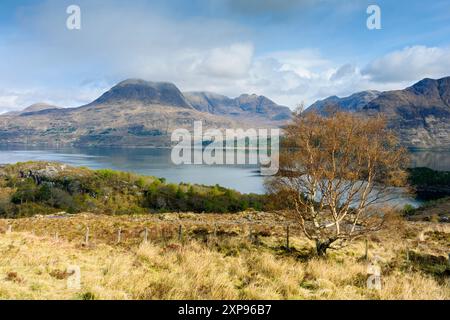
x=8 y=101
x=292 y=77
x=410 y=64
x=346 y=71
x=13 y=100
x=230 y=62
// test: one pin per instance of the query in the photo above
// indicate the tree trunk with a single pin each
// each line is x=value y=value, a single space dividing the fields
x=322 y=246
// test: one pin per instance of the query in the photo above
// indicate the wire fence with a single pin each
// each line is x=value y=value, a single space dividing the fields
x=146 y=230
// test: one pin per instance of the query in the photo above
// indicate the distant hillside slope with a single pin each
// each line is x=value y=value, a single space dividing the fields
x=37 y=107
x=420 y=114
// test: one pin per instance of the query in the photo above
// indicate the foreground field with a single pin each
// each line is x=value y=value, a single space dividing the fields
x=235 y=257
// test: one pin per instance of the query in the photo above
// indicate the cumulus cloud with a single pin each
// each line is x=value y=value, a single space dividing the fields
x=293 y=77
x=410 y=64
x=347 y=70
x=229 y=62
x=72 y=96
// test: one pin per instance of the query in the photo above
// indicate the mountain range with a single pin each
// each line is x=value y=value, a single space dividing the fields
x=136 y=112
x=419 y=114
x=142 y=113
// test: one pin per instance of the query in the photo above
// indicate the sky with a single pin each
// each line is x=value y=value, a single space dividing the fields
x=292 y=51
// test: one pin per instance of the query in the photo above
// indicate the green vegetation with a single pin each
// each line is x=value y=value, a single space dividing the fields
x=42 y=188
x=429 y=184
x=427 y=176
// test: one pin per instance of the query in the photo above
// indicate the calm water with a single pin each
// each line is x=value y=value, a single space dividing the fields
x=156 y=162
x=437 y=160
x=146 y=161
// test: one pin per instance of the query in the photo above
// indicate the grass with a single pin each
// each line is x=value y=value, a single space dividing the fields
x=434 y=210
x=215 y=260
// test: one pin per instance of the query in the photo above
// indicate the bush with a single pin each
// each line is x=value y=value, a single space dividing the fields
x=408 y=210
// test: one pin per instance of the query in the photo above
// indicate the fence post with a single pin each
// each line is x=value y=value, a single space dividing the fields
x=145 y=235
x=287 y=237
x=86 y=237
x=9 y=229
x=366 y=252
x=119 y=235
x=180 y=233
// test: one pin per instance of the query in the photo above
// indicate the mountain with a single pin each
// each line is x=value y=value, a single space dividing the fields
x=137 y=113
x=242 y=106
x=353 y=103
x=146 y=92
x=37 y=107
x=419 y=114
x=212 y=103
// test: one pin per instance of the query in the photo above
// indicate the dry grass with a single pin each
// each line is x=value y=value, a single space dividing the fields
x=34 y=266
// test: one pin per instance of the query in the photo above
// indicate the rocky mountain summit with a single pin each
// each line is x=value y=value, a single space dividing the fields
x=146 y=92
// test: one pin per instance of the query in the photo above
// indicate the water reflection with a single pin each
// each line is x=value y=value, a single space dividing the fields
x=437 y=160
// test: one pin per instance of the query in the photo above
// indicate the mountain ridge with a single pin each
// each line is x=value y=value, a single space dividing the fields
x=240 y=106
x=420 y=114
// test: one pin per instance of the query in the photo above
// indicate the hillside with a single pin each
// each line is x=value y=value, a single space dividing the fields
x=420 y=114
x=135 y=113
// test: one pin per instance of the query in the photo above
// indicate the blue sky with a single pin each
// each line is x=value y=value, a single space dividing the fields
x=292 y=51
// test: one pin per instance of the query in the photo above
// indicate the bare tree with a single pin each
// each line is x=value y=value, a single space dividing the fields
x=299 y=109
x=335 y=173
